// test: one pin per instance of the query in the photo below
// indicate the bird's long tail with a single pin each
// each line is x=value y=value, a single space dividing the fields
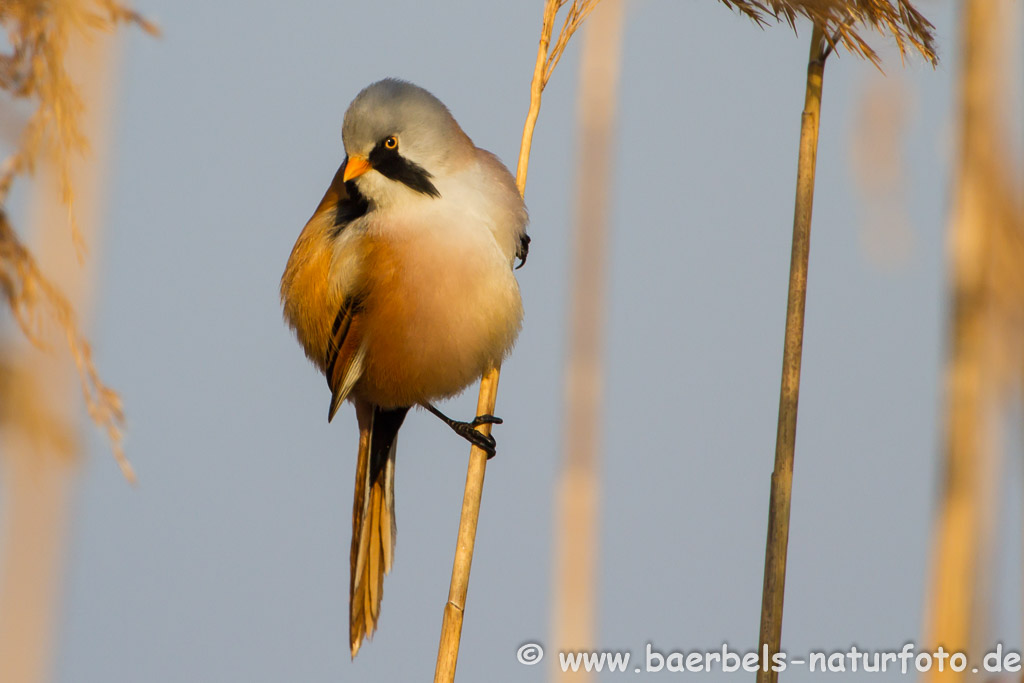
x=373 y=517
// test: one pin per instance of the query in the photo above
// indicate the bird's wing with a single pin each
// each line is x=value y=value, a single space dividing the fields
x=312 y=293
x=343 y=363
x=343 y=360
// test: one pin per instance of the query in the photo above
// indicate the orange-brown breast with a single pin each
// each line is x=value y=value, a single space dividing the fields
x=438 y=313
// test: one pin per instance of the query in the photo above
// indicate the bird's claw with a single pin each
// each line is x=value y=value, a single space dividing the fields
x=484 y=442
x=467 y=430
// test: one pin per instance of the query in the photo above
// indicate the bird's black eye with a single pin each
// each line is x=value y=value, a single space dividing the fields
x=391 y=142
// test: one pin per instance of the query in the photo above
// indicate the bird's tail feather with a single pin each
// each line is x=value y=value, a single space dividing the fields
x=373 y=517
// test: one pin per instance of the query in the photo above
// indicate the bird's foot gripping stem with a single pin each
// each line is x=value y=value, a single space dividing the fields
x=467 y=430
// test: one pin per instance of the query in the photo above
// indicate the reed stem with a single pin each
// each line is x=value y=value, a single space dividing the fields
x=782 y=477
x=454 y=609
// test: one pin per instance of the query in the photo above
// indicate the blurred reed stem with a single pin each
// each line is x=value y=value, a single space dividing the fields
x=782 y=477
x=577 y=497
x=39 y=440
x=985 y=335
x=454 y=609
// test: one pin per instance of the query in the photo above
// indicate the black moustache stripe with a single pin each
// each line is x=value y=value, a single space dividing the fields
x=391 y=164
x=349 y=207
x=352 y=208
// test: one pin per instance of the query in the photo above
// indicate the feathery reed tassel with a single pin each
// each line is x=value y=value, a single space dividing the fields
x=37 y=70
x=39 y=442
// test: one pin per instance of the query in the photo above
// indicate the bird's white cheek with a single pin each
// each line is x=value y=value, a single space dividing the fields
x=384 y=192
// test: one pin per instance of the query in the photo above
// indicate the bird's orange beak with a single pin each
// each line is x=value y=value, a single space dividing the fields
x=355 y=167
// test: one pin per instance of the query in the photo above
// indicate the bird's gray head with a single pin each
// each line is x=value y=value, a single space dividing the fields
x=399 y=138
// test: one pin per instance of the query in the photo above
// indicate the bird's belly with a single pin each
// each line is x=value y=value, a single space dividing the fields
x=438 y=314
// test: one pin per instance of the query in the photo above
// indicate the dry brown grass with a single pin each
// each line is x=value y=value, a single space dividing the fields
x=38 y=32
x=843 y=20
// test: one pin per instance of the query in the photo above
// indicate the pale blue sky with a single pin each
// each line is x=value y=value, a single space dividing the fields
x=229 y=562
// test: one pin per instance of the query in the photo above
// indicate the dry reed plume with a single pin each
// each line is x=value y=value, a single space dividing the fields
x=835 y=23
x=841 y=21
x=62 y=67
x=34 y=71
x=454 y=609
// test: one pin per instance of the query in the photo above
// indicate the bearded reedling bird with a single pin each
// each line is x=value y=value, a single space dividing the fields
x=400 y=289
